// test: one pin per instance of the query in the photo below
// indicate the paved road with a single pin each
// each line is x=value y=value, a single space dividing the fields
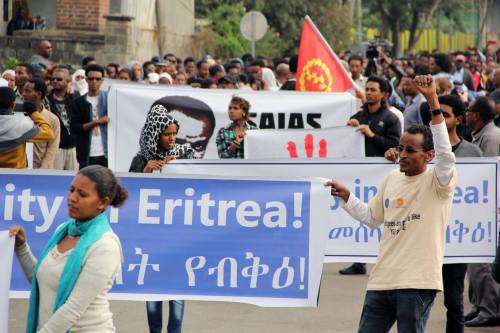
x=339 y=311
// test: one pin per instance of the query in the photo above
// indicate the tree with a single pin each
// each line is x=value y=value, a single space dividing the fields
x=285 y=21
x=225 y=22
x=414 y=16
x=331 y=17
x=426 y=7
x=203 y=7
x=398 y=15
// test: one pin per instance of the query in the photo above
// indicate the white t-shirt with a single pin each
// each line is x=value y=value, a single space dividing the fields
x=414 y=213
x=96 y=148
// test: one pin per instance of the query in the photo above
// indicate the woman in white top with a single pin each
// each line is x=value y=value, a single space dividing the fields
x=71 y=279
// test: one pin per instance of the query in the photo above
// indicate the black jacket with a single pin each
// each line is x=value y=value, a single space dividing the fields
x=289 y=85
x=386 y=127
x=496 y=265
x=67 y=139
x=81 y=113
x=138 y=164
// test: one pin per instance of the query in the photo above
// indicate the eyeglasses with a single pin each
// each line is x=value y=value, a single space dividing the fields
x=94 y=78
x=58 y=79
x=408 y=149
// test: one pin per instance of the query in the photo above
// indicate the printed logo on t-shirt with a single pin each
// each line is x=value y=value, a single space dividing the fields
x=395 y=227
x=399 y=202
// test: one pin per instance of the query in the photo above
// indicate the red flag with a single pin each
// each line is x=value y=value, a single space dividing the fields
x=319 y=68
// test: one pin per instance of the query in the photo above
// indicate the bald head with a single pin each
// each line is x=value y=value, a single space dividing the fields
x=282 y=72
x=45 y=49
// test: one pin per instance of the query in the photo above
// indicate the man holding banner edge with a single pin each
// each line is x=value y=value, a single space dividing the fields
x=413 y=204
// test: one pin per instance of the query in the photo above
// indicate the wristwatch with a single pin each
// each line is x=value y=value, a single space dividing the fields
x=436 y=112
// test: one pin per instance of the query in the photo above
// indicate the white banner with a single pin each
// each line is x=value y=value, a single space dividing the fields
x=471 y=235
x=202 y=112
x=335 y=142
x=7 y=252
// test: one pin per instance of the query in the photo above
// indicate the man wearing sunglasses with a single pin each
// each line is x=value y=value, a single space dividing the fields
x=60 y=100
x=453 y=274
x=412 y=205
x=89 y=121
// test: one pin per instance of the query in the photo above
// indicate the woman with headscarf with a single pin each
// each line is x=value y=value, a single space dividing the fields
x=269 y=78
x=157 y=142
x=78 y=83
x=157 y=148
x=10 y=76
x=125 y=74
x=137 y=71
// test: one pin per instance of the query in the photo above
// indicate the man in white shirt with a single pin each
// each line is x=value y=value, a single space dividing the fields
x=413 y=205
x=355 y=63
x=89 y=121
x=461 y=73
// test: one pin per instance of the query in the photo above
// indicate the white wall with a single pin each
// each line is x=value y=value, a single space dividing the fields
x=176 y=19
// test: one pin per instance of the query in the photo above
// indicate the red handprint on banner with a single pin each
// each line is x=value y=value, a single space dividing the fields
x=309 y=147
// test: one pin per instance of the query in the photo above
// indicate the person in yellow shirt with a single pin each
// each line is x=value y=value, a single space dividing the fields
x=16 y=129
x=412 y=205
x=44 y=153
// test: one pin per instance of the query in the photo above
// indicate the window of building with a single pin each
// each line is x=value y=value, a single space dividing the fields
x=6 y=10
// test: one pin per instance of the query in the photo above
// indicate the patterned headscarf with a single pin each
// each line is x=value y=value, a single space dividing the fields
x=157 y=120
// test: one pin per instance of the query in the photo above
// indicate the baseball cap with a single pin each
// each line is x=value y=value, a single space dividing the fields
x=460 y=57
x=227 y=79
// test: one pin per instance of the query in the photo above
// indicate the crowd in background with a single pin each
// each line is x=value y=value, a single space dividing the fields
x=69 y=120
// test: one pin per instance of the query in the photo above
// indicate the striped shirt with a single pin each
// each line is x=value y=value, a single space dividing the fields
x=225 y=137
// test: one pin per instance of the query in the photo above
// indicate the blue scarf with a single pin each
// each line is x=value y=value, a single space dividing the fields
x=89 y=232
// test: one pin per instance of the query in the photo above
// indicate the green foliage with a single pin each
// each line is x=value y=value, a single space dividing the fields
x=336 y=26
x=203 y=7
x=285 y=20
x=269 y=46
x=455 y=10
x=229 y=42
x=332 y=19
x=11 y=63
x=226 y=25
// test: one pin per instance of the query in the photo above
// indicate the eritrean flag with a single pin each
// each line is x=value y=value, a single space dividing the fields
x=319 y=68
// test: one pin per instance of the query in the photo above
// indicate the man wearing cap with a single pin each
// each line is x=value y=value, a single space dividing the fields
x=227 y=82
x=461 y=74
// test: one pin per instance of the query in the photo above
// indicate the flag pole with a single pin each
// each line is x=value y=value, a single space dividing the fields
x=325 y=43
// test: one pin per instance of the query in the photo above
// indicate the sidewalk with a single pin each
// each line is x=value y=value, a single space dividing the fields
x=339 y=310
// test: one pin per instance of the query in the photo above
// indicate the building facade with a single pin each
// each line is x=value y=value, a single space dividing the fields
x=109 y=30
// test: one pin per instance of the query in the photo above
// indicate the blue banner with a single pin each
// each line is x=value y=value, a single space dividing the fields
x=203 y=238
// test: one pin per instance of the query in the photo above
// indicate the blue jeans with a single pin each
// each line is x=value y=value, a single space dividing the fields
x=410 y=308
x=155 y=315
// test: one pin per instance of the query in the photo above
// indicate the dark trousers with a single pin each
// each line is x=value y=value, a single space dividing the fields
x=453 y=291
x=155 y=316
x=96 y=160
x=484 y=292
x=410 y=308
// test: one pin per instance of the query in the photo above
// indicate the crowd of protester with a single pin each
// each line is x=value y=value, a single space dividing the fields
x=67 y=122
